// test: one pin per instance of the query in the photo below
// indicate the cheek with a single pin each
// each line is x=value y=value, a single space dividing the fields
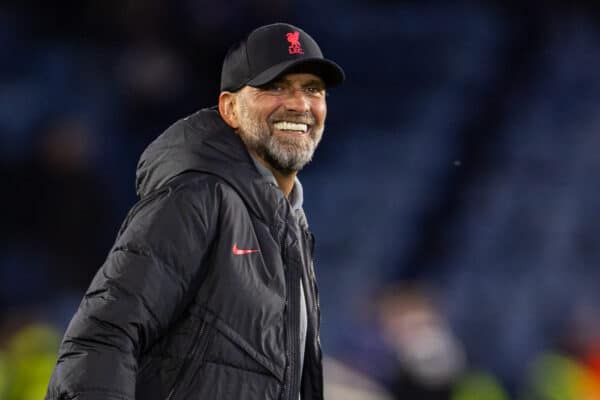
x=320 y=112
x=265 y=107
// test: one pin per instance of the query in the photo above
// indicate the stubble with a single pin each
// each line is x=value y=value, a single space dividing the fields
x=286 y=153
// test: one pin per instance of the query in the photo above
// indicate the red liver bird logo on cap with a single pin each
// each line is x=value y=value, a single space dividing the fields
x=294 y=39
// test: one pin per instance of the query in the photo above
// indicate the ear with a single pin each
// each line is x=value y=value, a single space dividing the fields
x=227 y=109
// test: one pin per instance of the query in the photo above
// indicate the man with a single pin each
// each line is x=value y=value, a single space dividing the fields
x=209 y=290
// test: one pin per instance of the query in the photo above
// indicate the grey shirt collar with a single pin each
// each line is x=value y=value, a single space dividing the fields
x=296 y=197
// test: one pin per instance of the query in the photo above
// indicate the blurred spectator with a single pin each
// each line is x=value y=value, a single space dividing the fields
x=478 y=386
x=556 y=376
x=570 y=371
x=73 y=218
x=341 y=382
x=59 y=204
x=430 y=358
x=26 y=362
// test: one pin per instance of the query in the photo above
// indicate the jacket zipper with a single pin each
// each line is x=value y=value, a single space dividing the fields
x=293 y=335
x=292 y=391
x=315 y=288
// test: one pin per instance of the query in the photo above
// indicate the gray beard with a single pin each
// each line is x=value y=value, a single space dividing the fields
x=286 y=156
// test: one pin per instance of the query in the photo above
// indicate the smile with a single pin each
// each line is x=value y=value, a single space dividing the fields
x=293 y=127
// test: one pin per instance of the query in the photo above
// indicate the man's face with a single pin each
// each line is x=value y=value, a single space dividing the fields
x=283 y=121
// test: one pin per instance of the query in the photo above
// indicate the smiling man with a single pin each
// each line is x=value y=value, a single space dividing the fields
x=209 y=291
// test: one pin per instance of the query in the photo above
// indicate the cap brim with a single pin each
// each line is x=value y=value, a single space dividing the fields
x=331 y=73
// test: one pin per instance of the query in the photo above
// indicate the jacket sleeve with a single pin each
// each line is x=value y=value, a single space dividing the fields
x=144 y=285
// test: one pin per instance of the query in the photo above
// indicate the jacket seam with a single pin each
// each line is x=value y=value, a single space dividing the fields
x=75 y=394
x=227 y=364
x=217 y=318
x=130 y=294
x=143 y=251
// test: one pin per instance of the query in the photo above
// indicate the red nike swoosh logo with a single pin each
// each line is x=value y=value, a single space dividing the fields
x=239 y=252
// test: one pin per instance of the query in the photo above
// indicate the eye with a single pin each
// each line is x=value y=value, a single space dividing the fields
x=314 y=90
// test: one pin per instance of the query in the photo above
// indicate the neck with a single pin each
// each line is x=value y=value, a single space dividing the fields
x=284 y=180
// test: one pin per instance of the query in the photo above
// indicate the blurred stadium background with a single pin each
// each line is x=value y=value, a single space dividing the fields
x=453 y=197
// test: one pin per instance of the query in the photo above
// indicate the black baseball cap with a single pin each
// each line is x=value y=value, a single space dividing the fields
x=271 y=50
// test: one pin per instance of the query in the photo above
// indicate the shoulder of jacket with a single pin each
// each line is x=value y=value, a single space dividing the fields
x=200 y=190
x=191 y=182
x=201 y=122
x=191 y=196
x=206 y=119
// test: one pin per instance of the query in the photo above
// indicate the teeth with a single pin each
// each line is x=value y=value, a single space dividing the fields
x=291 y=126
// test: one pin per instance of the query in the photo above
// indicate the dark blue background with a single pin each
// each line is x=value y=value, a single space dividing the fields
x=463 y=153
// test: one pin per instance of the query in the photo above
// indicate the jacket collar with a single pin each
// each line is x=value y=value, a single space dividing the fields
x=203 y=142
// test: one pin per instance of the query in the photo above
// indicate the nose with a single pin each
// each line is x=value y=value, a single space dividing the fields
x=297 y=100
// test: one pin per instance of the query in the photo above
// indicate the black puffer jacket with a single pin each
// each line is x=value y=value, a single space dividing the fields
x=174 y=313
